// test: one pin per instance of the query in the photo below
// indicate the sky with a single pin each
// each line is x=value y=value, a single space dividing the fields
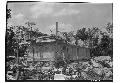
x=70 y=16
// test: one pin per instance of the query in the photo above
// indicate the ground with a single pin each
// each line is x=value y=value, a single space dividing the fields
x=94 y=69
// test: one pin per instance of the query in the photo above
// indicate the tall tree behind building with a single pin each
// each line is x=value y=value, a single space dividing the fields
x=100 y=42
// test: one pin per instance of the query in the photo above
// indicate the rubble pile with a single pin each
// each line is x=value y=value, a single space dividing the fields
x=98 y=68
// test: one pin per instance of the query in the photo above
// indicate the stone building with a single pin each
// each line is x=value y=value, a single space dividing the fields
x=53 y=50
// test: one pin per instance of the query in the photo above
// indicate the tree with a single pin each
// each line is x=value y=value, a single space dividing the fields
x=99 y=42
x=109 y=29
x=8 y=14
x=89 y=37
x=105 y=47
x=82 y=34
x=67 y=36
x=10 y=42
x=107 y=41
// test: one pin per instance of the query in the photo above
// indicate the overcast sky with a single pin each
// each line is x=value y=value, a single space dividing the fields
x=71 y=16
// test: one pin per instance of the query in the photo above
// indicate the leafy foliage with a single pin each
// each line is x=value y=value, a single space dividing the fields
x=8 y=14
x=10 y=43
x=99 y=42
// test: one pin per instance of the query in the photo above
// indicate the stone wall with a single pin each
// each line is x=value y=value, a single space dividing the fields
x=52 y=51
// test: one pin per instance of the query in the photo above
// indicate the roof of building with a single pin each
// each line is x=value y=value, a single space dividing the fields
x=52 y=40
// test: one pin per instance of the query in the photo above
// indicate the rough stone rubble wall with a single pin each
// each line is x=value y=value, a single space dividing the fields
x=53 y=51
